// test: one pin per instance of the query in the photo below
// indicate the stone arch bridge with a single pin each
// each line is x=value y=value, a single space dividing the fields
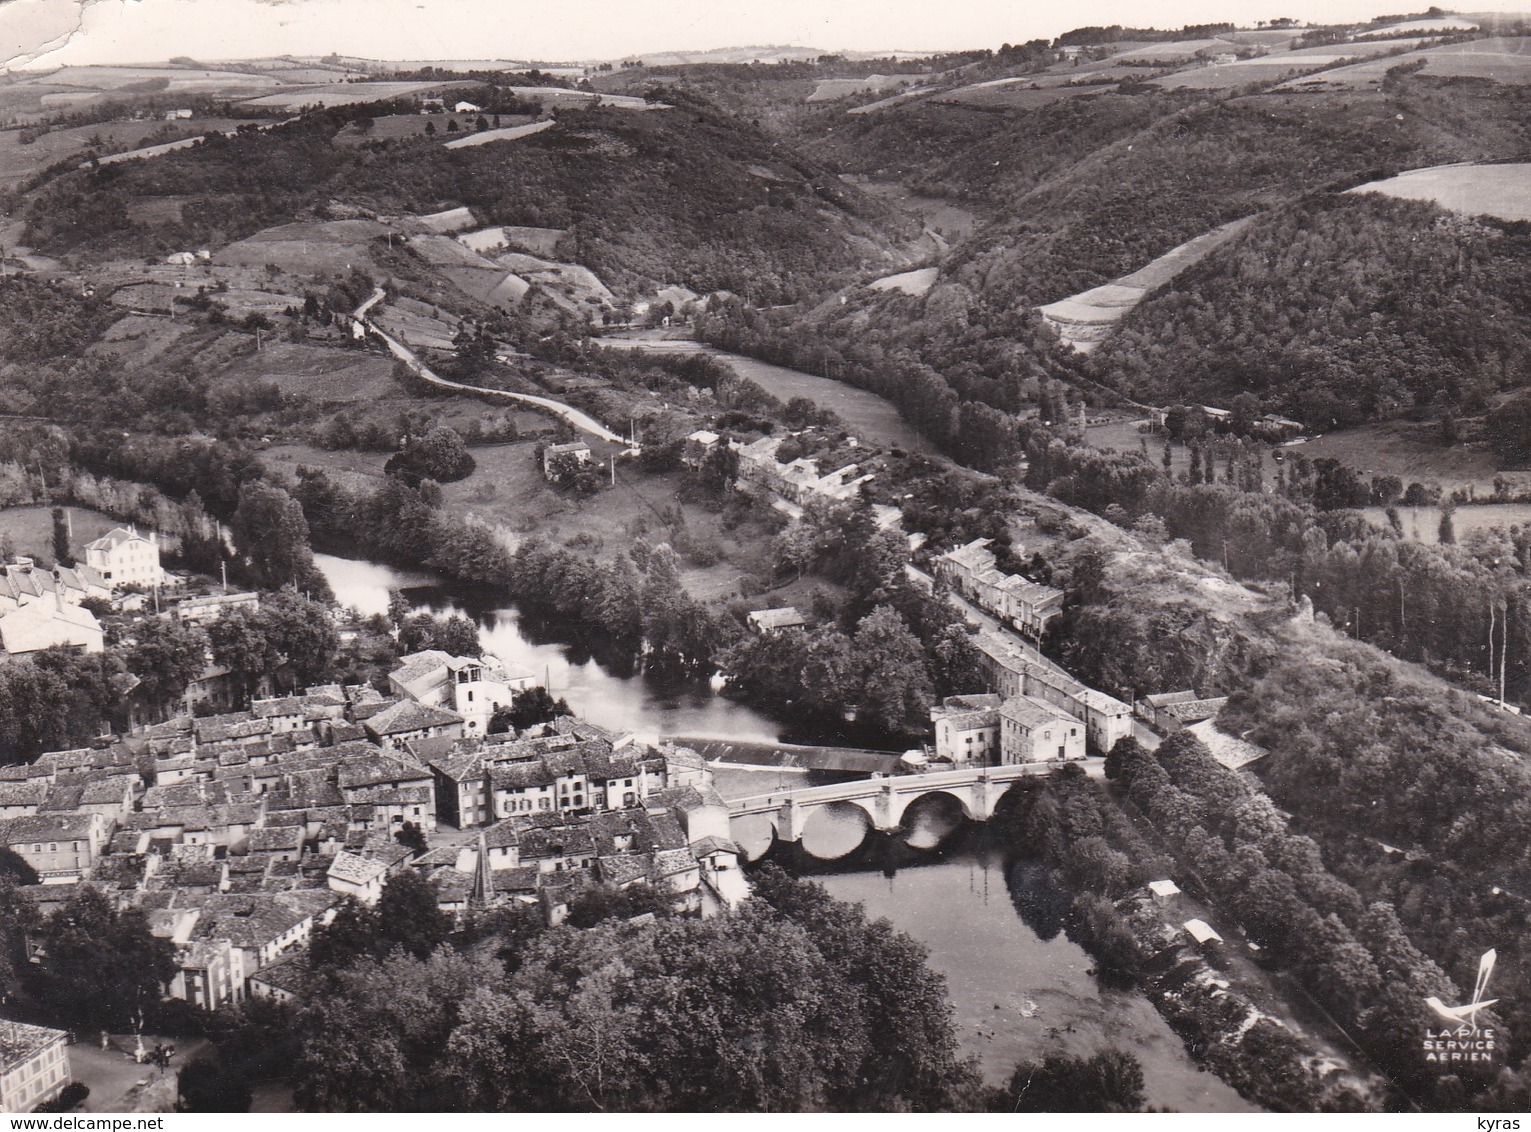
x=886 y=800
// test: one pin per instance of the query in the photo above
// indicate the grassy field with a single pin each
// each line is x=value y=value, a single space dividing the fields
x=30 y=530
x=1412 y=453
x=866 y=415
x=1409 y=451
x=1475 y=190
x=1423 y=524
x=1505 y=59
x=507 y=491
x=355 y=471
x=18 y=161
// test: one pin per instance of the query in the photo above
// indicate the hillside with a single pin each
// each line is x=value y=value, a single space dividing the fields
x=687 y=196
x=1338 y=310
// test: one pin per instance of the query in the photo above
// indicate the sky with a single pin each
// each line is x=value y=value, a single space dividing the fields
x=37 y=33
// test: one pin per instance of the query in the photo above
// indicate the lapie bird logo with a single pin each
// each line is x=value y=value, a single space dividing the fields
x=1461 y=1038
x=1468 y=1015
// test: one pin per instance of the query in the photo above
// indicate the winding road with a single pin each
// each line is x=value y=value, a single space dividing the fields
x=582 y=421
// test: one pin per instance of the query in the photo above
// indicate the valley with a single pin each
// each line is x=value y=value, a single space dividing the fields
x=1143 y=411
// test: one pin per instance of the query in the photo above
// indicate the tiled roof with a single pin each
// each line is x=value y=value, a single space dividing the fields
x=407 y=715
x=19 y=1042
x=356 y=870
x=47 y=827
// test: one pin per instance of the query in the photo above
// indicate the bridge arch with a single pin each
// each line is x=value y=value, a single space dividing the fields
x=837 y=829
x=756 y=834
x=929 y=819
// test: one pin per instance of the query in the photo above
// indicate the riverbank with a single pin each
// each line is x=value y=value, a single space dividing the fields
x=869 y=417
x=1016 y=994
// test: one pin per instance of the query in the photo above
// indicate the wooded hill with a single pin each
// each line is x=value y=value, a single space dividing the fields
x=1338 y=310
x=688 y=195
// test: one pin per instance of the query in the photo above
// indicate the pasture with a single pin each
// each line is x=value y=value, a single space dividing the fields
x=18 y=161
x=30 y=529
x=1505 y=59
x=1423 y=524
x=1503 y=191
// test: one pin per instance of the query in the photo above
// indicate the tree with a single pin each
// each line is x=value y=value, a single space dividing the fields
x=372 y=1039
x=239 y=643
x=166 y=656
x=409 y=916
x=1109 y=1081
x=430 y=128
x=61 y=552
x=412 y=837
x=100 y=967
x=528 y=707
x=204 y=1085
x=458 y=636
x=272 y=537
x=350 y=935
x=894 y=686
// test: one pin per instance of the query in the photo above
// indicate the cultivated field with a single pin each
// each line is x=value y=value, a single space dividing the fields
x=916 y=282
x=506 y=133
x=344 y=94
x=831 y=90
x=1505 y=59
x=1268 y=68
x=1475 y=190
x=139 y=79
x=1423 y=524
x=18 y=161
x=308 y=249
x=30 y=529
x=324 y=375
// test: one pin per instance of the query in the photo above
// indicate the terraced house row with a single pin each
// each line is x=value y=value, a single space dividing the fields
x=239 y=834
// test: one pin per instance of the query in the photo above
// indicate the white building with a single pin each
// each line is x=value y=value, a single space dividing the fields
x=473 y=687
x=1033 y=731
x=126 y=558
x=967 y=729
x=45 y=625
x=34 y=1065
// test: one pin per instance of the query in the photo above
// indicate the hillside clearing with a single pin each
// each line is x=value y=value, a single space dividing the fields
x=1503 y=191
x=1084 y=320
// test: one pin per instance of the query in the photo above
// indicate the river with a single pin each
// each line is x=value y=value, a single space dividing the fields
x=634 y=702
x=868 y=416
x=1016 y=993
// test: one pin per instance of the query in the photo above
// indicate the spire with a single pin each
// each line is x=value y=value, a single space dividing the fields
x=483 y=879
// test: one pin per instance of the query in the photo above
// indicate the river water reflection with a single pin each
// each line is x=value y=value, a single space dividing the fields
x=623 y=702
x=1016 y=995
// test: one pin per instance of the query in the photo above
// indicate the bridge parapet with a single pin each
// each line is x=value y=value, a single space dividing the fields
x=886 y=800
